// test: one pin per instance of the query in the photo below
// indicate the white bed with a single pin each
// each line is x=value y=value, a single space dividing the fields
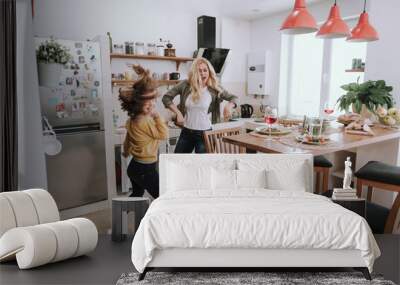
x=196 y=223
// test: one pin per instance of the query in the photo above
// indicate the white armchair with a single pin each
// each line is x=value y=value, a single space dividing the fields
x=31 y=230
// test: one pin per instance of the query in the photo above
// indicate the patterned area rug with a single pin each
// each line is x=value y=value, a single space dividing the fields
x=244 y=278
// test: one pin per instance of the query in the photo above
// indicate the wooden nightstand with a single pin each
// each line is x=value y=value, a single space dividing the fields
x=356 y=205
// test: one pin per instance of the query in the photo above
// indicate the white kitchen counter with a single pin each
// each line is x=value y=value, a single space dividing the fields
x=119 y=133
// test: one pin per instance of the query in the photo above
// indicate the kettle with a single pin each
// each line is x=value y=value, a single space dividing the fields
x=246 y=110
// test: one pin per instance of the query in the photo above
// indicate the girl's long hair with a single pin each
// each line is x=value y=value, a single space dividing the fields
x=145 y=88
x=195 y=80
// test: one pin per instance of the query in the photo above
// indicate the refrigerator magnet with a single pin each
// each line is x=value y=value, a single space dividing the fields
x=93 y=57
x=90 y=77
x=61 y=114
x=73 y=93
x=82 y=105
x=86 y=66
x=60 y=107
x=78 y=52
x=78 y=45
x=81 y=59
x=75 y=106
x=68 y=81
x=52 y=101
x=96 y=83
x=93 y=93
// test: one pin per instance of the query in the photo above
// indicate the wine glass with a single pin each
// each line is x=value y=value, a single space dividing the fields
x=328 y=109
x=270 y=117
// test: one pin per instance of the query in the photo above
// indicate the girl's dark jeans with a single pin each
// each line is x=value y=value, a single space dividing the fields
x=190 y=140
x=143 y=176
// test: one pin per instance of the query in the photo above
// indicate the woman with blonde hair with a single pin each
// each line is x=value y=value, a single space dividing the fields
x=200 y=95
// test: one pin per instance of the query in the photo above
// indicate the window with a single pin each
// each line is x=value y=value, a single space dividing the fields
x=306 y=69
x=342 y=54
x=312 y=71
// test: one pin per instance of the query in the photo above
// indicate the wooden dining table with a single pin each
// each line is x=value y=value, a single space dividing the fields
x=338 y=140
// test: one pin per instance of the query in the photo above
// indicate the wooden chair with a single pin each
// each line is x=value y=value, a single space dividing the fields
x=321 y=168
x=385 y=177
x=214 y=143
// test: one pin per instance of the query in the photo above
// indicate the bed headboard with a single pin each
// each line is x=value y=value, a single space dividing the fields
x=218 y=159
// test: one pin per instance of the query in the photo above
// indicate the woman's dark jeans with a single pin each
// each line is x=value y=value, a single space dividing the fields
x=190 y=140
x=143 y=177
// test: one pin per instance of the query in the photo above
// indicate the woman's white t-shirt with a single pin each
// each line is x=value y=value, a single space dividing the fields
x=197 y=117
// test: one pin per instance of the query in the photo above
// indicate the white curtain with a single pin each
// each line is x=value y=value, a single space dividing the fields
x=31 y=159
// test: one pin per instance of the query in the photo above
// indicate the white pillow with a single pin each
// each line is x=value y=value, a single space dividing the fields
x=251 y=178
x=293 y=179
x=281 y=173
x=223 y=179
x=188 y=177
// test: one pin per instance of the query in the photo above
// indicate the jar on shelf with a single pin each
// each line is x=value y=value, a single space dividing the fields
x=160 y=50
x=139 y=48
x=118 y=48
x=131 y=47
x=151 y=49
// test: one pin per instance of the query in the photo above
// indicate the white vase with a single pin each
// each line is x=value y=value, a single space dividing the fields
x=49 y=74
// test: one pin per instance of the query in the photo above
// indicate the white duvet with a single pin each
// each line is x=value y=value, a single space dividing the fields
x=250 y=219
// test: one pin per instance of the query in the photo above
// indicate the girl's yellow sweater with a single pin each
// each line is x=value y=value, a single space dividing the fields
x=143 y=138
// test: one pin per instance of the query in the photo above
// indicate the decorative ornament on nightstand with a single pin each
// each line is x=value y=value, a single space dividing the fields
x=345 y=193
x=347 y=174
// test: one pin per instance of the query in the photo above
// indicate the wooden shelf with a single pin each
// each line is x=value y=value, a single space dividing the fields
x=178 y=60
x=355 y=70
x=130 y=82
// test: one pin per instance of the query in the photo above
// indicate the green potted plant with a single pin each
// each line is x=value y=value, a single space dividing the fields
x=365 y=98
x=51 y=56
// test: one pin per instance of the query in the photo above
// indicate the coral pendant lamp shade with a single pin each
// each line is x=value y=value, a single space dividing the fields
x=334 y=27
x=363 y=32
x=299 y=21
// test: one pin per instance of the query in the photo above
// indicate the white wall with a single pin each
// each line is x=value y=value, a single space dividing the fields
x=265 y=35
x=383 y=56
x=31 y=160
x=147 y=21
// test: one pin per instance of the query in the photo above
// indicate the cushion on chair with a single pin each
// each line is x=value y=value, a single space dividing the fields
x=31 y=232
x=7 y=216
x=40 y=244
x=321 y=161
x=24 y=211
x=381 y=172
x=46 y=207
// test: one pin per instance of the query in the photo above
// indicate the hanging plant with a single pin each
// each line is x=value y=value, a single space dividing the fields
x=52 y=52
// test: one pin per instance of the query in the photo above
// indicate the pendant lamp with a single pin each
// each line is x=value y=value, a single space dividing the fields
x=363 y=32
x=334 y=27
x=299 y=21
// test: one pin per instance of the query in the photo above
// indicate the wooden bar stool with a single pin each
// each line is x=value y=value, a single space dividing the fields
x=321 y=168
x=382 y=176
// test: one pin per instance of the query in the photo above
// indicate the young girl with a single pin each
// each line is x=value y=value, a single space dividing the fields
x=145 y=128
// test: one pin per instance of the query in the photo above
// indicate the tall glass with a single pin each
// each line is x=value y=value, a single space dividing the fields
x=270 y=117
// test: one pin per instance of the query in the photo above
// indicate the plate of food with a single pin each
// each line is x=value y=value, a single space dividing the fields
x=274 y=131
x=309 y=139
x=346 y=119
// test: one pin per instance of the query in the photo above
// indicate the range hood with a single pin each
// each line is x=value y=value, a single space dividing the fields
x=216 y=56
